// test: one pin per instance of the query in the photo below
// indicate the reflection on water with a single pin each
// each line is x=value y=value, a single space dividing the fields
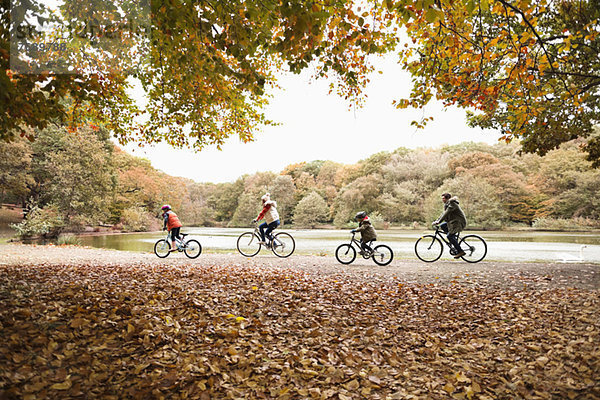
x=502 y=245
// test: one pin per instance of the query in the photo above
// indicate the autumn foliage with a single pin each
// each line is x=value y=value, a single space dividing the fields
x=229 y=331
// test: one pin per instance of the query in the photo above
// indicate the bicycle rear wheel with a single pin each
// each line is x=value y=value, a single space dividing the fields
x=283 y=244
x=382 y=255
x=345 y=253
x=429 y=248
x=248 y=244
x=161 y=248
x=193 y=248
x=475 y=247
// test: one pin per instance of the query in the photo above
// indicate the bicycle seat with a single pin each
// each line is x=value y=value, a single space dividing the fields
x=184 y=235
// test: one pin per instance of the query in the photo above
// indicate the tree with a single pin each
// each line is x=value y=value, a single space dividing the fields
x=15 y=176
x=37 y=99
x=208 y=68
x=529 y=69
x=283 y=192
x=477 y=199
x=311 y=210
x=73 y=172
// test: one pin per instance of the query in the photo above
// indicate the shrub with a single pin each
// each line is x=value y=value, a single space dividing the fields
x=135 y=219
x=566 y=224
x=68 y=239
x=44 y=222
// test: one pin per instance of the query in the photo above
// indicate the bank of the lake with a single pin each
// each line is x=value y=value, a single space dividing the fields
x=518 y=246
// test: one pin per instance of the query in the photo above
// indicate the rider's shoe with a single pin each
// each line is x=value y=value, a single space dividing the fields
x=460 y=254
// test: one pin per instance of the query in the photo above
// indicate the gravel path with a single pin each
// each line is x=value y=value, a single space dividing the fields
x=489 y=274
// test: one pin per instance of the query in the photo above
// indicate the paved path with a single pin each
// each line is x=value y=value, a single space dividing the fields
x=492 y=274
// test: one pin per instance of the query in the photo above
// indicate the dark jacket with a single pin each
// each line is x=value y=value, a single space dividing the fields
x=367 y=232
x=454 y=216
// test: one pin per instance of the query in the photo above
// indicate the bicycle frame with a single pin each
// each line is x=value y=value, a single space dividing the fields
x=438 y=233
x=357 y=243
x=267 y=240
x=179 y=242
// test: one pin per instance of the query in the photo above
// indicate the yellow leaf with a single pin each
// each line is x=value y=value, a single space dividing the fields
x=230 y=316
x=62 y=386
x=449 y=388
x=239 y=319
x=352 y=385
x=254 y=288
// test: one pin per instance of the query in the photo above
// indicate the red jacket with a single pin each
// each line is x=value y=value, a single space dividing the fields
x=172 y=220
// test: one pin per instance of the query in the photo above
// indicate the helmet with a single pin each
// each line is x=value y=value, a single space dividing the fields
x=166 y=207
x=266 y=197
x=360 y=215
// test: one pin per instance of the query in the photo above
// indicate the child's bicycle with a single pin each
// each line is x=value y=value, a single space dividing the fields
x=429 y=248
x=249 y=243
x=191 y=247
x=346 y=253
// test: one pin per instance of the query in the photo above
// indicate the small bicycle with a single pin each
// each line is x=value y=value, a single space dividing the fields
x=346 y=253
x=191 y=247
x=429 y=248
x=249 y=243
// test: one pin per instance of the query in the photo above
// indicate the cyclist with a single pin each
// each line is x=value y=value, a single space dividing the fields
x=271 y=216
x=453 y=221
x=172 y=223
x=367 y=232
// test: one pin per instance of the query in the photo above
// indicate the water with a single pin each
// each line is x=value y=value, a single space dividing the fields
x=502 y=245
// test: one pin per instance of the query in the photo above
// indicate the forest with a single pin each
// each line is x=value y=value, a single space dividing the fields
x=74 y=181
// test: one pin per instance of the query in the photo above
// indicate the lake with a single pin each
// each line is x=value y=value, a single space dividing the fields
x=502 y=245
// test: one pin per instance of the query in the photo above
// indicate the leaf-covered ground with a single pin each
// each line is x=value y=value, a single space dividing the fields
x=206 y=329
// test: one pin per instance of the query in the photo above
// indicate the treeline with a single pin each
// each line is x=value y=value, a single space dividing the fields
x=74 y=180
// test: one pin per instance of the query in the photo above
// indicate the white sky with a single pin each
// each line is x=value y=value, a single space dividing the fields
x=318 y=126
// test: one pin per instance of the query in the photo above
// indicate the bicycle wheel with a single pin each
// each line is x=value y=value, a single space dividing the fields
x=193 y=248
x=161 y=248
x=429 y=248
x=475 y=247
x=345 y=253
x=382 y=255
x=283 y=244
x=247 y=244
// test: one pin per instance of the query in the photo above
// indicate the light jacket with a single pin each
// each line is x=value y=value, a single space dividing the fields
x=269 y=212
x=171 y=220
x=454 y=216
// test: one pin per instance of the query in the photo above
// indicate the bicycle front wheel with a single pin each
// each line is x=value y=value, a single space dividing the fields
x=475 y=247
x=161 y=248
x=429 y=248
x=345 y=253
x=382 y=255
x=193 y=248
x=248 y=244
x=283 y=244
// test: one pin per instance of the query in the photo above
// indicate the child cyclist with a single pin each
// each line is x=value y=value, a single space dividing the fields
x=367 y=232
x=172 y=223
x=271 y=216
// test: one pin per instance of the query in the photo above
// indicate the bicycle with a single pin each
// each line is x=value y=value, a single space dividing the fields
x=429 y=248
x=346 y=253
x=192 y=248
x=249 y=243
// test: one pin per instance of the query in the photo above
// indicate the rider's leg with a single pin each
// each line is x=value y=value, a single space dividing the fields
x=453 y=238
x=444 y=227
x=365 y=246
x=261 y=229
x=270 y=228
x=175 y=235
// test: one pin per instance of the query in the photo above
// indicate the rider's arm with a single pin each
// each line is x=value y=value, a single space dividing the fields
x=451 y=207
x=165 y=220
x=263 y=212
